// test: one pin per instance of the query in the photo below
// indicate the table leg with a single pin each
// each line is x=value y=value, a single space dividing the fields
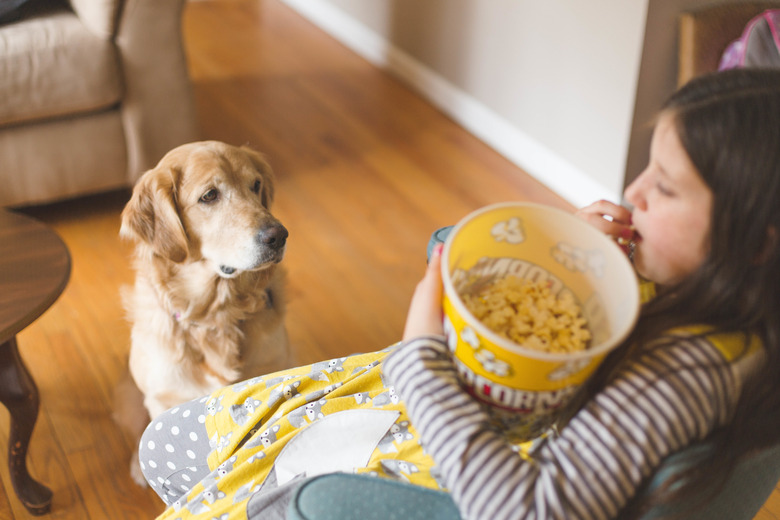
x=20 y=396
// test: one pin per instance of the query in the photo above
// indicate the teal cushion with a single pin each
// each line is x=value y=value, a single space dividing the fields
x=343 y=496
x=745 y=492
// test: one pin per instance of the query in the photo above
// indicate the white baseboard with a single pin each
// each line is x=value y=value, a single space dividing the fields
x=530 y=155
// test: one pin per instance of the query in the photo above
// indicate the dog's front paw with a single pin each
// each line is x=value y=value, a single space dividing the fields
x=135 y=471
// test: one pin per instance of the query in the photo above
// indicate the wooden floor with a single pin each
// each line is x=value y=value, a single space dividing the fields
x=366 y=172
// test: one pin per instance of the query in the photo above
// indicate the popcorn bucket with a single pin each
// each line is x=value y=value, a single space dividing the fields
x=522 y=389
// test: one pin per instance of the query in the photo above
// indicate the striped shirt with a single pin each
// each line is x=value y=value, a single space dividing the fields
x=665 y=400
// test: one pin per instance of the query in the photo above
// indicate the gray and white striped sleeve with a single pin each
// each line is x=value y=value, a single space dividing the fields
x=669 y=398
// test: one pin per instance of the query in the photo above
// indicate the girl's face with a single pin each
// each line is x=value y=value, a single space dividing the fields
x=672 y=208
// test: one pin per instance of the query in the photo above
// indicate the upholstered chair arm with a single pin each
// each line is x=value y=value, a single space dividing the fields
x=157 y=108
x=99 y=16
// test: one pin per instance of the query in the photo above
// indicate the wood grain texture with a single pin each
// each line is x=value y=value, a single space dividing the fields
x=366 y=171
x=34 y=268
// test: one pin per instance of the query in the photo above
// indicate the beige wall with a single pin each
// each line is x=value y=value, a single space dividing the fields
x=565 y=88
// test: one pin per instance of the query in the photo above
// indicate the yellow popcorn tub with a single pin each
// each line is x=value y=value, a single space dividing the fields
x=523 y=388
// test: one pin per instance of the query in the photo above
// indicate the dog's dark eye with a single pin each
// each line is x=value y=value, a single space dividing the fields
x=256 y=187
x=210 y=196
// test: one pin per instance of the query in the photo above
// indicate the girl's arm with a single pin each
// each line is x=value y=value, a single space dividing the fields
x=666 y=400
x=594 y=467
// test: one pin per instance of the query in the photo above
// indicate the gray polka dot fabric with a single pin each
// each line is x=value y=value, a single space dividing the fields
x=174 y=449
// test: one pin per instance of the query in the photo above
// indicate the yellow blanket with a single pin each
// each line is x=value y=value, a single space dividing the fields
x=338 y=415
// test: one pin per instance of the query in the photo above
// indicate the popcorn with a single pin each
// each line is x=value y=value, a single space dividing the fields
x=529 y=314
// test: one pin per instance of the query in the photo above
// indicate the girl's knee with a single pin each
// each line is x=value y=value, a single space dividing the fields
x=173 y=451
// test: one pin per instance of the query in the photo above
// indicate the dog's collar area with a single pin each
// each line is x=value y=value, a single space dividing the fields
x=179 y=317
x=269 y=303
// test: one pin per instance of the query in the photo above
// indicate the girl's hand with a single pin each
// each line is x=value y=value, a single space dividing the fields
x=425 y=312
x=612 y=219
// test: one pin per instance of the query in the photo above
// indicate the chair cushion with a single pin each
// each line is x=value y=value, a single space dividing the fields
x=341 y=496
x=51 y=65
x=100 y=16
x=747 y=488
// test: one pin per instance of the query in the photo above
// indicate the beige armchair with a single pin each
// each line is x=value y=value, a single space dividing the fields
x=92 y=93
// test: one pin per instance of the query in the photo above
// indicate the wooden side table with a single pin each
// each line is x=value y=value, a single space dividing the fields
x=34 y=270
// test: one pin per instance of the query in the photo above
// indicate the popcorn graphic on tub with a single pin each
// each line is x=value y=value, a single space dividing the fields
x=489 y=362
x=568 y=369
x=484 y=357
x=449 y=333
x=576 y=259
x=510 y=231
x=470 y=337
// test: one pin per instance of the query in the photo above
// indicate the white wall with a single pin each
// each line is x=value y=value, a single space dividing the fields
x=564 y=88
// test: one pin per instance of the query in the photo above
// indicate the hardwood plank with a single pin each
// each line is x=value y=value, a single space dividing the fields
x=5 y=506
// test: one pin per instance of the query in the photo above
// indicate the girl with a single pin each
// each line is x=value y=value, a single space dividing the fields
x=702 y=363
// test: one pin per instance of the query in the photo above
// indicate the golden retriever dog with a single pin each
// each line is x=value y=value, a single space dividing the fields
x=207 y=307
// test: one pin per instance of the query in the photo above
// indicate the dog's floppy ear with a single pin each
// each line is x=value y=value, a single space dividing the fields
x=268 y=175
x=151 y=215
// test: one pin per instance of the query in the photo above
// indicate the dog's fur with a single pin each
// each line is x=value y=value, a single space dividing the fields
x=207 y=307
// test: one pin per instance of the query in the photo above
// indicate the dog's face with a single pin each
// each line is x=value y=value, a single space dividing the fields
x=208 y=201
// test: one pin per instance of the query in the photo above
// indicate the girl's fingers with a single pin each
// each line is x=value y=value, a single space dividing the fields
x=425 y=311
x=612 y=219
x=608 y=210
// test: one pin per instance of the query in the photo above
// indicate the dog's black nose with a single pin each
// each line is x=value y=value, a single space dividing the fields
x=274 y=236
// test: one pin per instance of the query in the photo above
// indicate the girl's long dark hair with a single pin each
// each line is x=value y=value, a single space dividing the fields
x=729 y=124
